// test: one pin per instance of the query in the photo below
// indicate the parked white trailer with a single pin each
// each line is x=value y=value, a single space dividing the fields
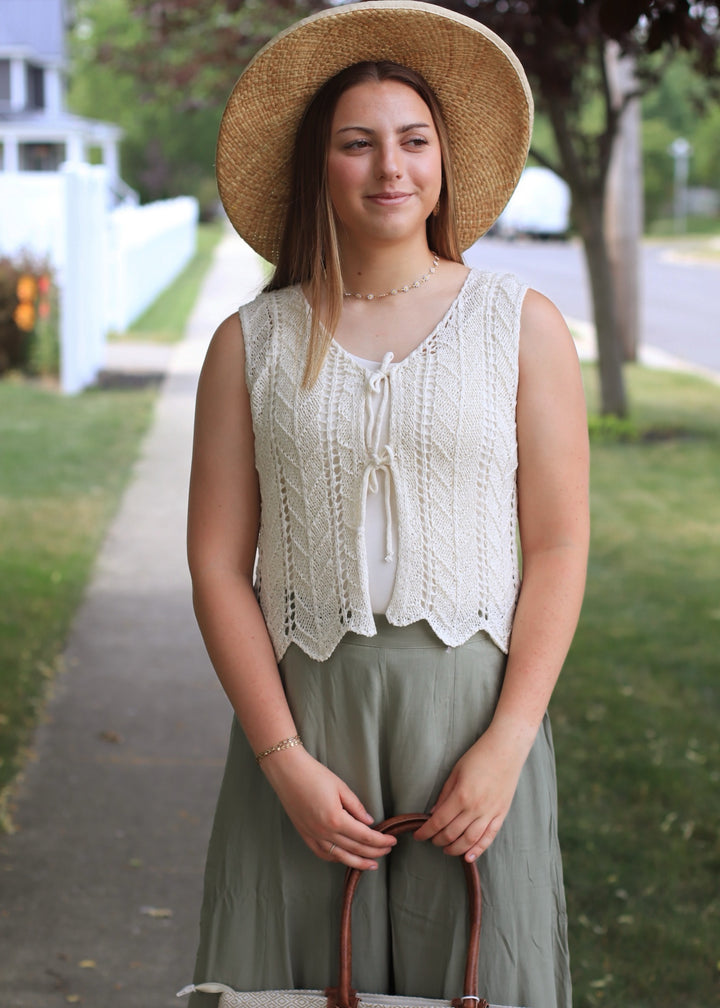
x=539 y=207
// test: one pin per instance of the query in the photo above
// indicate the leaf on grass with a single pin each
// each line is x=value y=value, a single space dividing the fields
x=87 y=964
x=667 y=822
x=603 y=982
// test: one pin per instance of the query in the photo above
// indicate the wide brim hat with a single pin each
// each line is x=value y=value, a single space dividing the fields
x=482 y=89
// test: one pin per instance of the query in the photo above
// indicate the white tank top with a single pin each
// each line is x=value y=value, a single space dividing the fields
x=381 y=527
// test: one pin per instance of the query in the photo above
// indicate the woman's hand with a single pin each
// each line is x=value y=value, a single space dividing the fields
x=326 y=813
x=477 y=795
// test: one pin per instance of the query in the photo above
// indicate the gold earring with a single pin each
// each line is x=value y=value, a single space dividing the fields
x=436 y=209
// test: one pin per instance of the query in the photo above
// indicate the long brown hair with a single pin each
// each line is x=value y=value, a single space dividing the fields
x=309 y=251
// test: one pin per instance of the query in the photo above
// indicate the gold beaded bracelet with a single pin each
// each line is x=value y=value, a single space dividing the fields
x=286 y=743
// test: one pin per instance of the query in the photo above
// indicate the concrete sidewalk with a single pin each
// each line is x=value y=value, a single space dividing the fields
x=100 y=885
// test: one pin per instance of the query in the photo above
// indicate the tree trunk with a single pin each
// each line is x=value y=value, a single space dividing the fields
x=588 y=201
x=590 y=216
x=624 y=201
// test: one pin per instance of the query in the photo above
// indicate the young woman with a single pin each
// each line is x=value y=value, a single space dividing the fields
x=370 y=433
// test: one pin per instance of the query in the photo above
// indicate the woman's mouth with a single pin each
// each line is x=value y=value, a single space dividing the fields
x=391 y=198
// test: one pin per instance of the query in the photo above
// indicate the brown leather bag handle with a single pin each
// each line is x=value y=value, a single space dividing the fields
x=343 y=996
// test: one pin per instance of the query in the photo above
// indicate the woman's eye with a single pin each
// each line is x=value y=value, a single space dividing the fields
x=357 y=144
x=417 y=142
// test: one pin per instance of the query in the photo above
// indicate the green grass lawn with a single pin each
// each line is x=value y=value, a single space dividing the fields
x=667 y=228
x=637 y=708
x=64 y=461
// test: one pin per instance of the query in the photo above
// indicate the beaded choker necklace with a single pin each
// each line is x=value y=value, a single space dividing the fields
x=398 y=290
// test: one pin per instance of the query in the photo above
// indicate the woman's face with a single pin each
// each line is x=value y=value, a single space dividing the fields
x=384 y=163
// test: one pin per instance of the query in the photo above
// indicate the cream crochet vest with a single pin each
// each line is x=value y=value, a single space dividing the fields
x=450 y=462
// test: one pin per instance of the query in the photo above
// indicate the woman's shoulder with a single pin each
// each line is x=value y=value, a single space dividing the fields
x=496 y=295
x=544 y=333
x=272 y=307
x=268 y=297
x=490 y=280
x=274 y=325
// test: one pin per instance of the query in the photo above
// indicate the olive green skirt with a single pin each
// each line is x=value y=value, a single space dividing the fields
x=390 y=715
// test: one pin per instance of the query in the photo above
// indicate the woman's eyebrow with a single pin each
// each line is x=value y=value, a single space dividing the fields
x=400 y=129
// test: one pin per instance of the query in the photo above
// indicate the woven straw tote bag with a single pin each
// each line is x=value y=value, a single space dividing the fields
x=343 y=996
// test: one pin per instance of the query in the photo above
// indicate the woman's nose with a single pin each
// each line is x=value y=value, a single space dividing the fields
x=389 y=162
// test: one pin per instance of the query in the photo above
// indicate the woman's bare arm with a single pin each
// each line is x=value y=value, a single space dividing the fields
x=554 y=533
x=223 y=523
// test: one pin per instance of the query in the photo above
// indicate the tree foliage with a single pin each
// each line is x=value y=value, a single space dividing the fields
x=191 y=51
x=166 y=149
x=682 y=104
x=562 y=46
x=162 y=70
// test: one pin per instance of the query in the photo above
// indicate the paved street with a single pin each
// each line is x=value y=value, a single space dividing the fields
x=680 y=315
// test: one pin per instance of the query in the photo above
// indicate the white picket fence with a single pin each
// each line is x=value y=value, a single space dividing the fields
x=111 y=263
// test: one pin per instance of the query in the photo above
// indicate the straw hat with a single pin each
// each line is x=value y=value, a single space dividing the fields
x=479 y=81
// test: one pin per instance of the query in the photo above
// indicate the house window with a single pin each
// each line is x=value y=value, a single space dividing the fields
x=4 y=82
x=41 y=156
x=35 y=87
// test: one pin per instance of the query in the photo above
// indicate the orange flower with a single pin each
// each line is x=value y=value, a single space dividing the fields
x=26 y=289
x=24 y=317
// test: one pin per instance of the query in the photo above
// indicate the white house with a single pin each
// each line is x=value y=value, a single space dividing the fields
x=36 y=131
x=111 y=256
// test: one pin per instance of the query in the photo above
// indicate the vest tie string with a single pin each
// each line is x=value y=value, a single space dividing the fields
x=380 y=456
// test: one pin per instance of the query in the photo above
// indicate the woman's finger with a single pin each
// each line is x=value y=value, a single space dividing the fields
x=440 y=820
x=450 y=827
x=356 y=832
x=337 y=852
x=357 y=847
x=463 y=841
x=353 y=805
x=484 y=841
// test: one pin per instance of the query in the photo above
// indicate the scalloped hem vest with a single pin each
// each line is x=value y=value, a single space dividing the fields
x=448 y=454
